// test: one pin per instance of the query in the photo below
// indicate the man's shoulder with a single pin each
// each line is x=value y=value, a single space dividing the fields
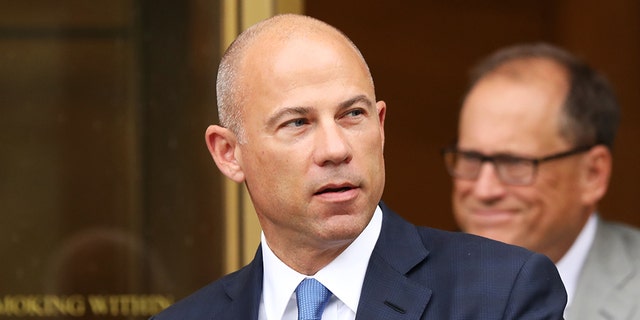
x=621 y=235
x=200 y=304
x=454 y=240
x=206 y=302
x=624 y=229
x=492 y=274
x=453 y=244
x=483 y=257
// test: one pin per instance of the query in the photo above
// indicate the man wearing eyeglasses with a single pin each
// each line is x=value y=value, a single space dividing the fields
x=533 y=159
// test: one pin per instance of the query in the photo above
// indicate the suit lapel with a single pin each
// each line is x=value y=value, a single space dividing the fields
x=607 y=268
x=614 y=262
x=245 y=290
x=387 y=293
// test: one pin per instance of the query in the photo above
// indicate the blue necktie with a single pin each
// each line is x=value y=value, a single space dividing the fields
x=312 y=297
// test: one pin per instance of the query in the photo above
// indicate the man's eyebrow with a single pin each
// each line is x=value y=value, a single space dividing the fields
x=498 y=154
x=357 y=99
x=299 y=111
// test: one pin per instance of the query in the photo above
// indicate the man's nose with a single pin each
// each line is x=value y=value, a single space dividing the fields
x=332 y=145
x=488 y=184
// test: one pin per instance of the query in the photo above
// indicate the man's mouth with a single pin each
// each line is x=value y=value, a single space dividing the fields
x=334 y=189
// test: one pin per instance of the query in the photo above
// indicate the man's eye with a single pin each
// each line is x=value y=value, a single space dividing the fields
x=355 y=112
x=296 y=123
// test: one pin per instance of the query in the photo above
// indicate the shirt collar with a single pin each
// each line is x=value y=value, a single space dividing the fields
x=571 y=263
x=343 y=276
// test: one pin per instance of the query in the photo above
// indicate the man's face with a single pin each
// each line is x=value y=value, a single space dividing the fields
x=313 y=157
x=521 y=118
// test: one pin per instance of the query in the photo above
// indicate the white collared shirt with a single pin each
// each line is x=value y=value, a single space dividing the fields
x=343 y=276
x=571 y=263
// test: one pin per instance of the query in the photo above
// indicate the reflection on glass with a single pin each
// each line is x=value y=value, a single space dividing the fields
x=110 y=204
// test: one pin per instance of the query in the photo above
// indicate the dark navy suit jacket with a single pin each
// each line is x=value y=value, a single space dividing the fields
x=414 y=273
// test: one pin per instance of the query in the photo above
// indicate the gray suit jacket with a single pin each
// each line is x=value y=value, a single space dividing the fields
x=609 y=283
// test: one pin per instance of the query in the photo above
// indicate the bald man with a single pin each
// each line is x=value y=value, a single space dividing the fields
x=300 y=126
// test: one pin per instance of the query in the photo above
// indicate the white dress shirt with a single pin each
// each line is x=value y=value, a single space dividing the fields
x=571 y=263
x=344 y=277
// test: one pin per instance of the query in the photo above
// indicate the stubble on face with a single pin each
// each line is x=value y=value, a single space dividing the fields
x=307 y=228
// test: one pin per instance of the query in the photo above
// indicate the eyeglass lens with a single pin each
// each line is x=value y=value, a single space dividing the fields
x=510 y=170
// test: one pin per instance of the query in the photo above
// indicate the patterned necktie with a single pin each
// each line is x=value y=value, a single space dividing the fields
x=312 y=297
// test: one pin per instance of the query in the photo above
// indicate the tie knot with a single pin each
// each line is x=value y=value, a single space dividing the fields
x=312 y=297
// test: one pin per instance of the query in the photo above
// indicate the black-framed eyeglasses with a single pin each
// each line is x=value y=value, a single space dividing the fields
x=511 y=170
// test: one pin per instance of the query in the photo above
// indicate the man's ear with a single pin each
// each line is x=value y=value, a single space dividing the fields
x=222 y=144
x=595 y=178
x=381 y=107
